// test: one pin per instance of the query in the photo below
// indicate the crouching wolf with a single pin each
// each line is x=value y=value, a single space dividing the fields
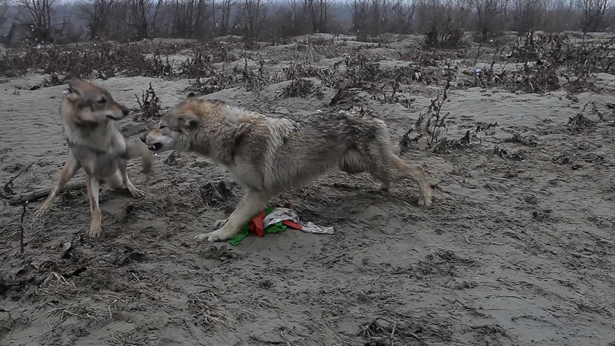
x=89 y=116
x=270 y=155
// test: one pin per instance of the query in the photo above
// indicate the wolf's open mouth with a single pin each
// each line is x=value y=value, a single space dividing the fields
x=155 y=147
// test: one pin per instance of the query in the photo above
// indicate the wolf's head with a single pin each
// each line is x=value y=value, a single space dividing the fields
x=175 y=129
x=90 y=103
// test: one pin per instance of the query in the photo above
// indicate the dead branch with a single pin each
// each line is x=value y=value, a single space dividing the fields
x=23 y=213
x=7 y=187
x=38 y=194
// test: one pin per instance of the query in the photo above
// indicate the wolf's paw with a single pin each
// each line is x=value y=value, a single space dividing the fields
x=136 y=193
x=218 y=235
x=220 y=223
x=43 y=210
x=424 y=201
x=95 y=231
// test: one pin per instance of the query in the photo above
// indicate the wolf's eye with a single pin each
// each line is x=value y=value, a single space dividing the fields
x=102 y=100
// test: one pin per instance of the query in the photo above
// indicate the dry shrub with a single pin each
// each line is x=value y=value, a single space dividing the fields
x=251 y=80
x=579 y=123
x=200 y=60
x=542 y=64
x=302 y=88
x=447 y=39
x=150 y=106
x=442 y=22
x=217 y=82
x=105 y=60
x=429 y=125
x=301 y=70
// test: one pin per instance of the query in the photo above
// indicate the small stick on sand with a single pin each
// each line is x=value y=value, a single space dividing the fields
x=7 y=187
x=467 y=239
x=33 y=196
x=393 y=332
x=23 y=213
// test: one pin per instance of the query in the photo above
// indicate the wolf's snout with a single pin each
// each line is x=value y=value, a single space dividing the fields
x=125 y=110
x=143 y=137
x=155 y=146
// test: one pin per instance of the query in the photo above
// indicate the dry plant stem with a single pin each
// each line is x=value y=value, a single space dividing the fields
x=7 y=187
x=23 y=213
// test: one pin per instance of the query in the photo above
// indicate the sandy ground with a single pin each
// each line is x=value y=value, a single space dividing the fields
x=516 y=250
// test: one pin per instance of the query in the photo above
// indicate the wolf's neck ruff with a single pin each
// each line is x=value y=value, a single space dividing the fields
x=95 y=138
x=75 y=146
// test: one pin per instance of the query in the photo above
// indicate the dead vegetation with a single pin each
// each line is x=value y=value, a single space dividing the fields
x=302 y=88
x=206 y=315
x=431 y=124
x=107 y=59
x=150 y=106
x=535 y=65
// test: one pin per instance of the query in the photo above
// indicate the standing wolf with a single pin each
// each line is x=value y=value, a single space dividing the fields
x=89 y=116
x=269 y=155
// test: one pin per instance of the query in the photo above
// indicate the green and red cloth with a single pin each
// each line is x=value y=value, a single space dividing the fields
x=256 y=226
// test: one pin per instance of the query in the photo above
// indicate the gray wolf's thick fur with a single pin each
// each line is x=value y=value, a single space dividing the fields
x=271 y=155
x=89 y=114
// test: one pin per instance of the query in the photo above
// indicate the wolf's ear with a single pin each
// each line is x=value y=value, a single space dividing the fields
x=189 y=121
x=71 y=94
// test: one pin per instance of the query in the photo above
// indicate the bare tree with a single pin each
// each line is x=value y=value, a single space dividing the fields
x=97 y=14
x=223 y=22
x=527 y=15
x=253 y=17
x=158 y=21
x=39 y=14
x=489 y=16
x=360 y=11
x=299 y=17
x=4 y=7
x=380 y=10
x=442 y=21
x=593 y=14
x=402 y=16
x=318 y=11
x=561 y=15
x=138 y=17
x=189 y=18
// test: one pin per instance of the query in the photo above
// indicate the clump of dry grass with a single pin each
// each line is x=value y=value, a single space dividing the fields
x=302 y=88
x=202 y=305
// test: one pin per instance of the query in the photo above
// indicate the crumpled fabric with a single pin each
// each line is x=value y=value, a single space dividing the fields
x=276 y=220
x=285 y=214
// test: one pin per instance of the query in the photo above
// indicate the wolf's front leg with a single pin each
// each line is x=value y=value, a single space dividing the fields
x=68 y=171
x=220 y=223
x=250 y=205
x=93 y=185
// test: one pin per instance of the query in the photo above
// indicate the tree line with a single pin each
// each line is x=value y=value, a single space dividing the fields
x=122 y=20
